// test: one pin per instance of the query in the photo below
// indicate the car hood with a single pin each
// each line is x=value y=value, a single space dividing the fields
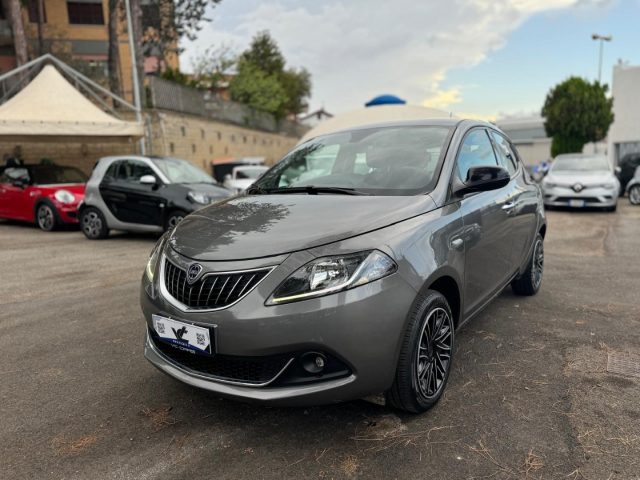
x=585 y=178
x=259 y=226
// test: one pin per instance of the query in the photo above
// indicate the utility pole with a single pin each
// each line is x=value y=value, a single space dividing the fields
x=134 y=69
x=601 y=39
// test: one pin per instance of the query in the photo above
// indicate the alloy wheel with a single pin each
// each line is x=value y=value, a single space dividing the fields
x=634 y=195
x=46 y=219
x=91 y=224
x=434 y=352
x=538 y=264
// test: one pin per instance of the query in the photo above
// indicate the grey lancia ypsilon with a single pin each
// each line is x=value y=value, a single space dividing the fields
x=345 y=270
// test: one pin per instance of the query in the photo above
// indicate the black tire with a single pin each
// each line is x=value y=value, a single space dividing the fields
x=46 y=217
x=529 y=282
x=174 y=217
x=634 y=195
x=423 y=357
x=93 y=224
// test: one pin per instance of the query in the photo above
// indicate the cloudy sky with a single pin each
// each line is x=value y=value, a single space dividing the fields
x=484 y=58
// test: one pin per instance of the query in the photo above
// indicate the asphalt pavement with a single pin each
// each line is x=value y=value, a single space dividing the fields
x=530 y=396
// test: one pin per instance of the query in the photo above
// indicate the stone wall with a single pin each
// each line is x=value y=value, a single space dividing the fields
x=200 y=140
x=191 y=137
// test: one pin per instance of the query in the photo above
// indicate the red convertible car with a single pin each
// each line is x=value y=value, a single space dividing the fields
x=47 y=195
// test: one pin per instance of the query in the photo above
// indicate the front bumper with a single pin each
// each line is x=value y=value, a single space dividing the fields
x=361 y=328
x=68 y=213
x=590 y=197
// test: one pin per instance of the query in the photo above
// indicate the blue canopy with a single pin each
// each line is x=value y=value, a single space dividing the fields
x=385 y=100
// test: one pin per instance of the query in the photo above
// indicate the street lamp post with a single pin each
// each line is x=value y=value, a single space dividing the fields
x=601 y=39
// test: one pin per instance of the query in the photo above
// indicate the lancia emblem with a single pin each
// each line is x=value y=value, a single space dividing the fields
x=193 y=273
x=578 y=187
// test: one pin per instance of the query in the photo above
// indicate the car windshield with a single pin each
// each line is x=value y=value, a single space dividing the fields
x=579 y=164
x=53 y=174
x=248 y=172
x=181 y=171
x=398 y=160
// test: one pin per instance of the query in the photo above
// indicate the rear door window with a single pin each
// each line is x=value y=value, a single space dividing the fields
x=506 y=155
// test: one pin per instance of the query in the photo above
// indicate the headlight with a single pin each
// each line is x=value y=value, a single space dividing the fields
x=198 y=197
x=153 y=258
x=326 y=275
x=64 y=196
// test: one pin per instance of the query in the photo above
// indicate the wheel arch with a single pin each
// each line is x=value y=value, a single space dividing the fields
x=44 y=200
x=543 y=230
x=447 y=282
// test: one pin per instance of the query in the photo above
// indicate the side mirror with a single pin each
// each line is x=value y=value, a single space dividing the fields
x=617 y=170
x=148 y=180
x=482 y=179
x=227 y=177
x=20 y=183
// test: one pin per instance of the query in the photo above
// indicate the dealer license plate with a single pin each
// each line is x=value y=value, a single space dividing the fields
x=184 y=335
x=576 y=203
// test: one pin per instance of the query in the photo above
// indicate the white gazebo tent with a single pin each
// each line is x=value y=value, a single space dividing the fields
x=49 y=108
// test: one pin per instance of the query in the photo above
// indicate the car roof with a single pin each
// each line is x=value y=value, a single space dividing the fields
x=427 y=122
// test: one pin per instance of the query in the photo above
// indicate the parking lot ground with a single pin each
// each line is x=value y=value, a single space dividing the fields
x=529 y=397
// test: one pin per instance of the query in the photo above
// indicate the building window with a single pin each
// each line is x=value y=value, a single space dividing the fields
x=172 y=148
x=210 y=149
x=32 y=8
x=244 y=139
x=202 y=133
x=193 y=148
x=219 y=136
x=85 y=13
x=183 y=131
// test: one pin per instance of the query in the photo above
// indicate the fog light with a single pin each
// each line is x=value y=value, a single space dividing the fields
x=313 y=362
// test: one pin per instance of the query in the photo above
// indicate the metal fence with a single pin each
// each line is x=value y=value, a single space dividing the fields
x=168 y=95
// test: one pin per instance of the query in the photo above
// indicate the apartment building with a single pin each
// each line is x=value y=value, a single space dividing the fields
x=76 y=32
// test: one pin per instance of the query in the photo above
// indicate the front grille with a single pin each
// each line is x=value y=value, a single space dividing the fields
x=252 y=370
x=586 y=199
x=215 y=290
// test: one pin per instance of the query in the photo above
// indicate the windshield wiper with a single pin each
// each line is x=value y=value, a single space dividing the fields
x=313 y=190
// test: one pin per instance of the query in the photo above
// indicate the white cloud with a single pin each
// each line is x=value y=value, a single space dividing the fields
x=360 y=48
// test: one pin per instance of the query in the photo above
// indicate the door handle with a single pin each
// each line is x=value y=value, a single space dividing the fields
x=457 y=243
x=508 y=206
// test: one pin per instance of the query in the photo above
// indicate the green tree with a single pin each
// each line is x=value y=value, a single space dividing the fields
x=259 y=90
x=211 y=68
x=265 y=54
x=264 y=59
x=576 y=112
x=297 y=85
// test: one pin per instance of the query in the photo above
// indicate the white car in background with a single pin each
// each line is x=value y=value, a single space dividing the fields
x=242 y=177
x=580 y=181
